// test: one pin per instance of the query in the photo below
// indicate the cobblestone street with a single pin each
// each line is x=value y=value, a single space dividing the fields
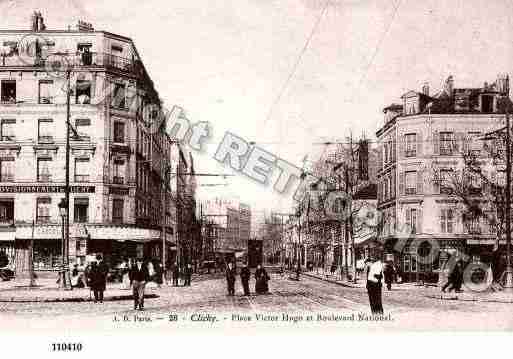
x=208 y=296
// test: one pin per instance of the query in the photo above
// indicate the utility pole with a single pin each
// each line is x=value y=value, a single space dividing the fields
x=508 y=273
x=65 y=280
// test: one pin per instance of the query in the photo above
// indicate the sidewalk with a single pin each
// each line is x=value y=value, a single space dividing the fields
x=429 y=291
x=46 y=290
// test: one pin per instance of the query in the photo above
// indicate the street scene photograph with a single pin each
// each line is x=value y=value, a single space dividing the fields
x=330 y=165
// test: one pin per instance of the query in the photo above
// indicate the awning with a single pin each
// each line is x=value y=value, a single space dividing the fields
x=122 y=233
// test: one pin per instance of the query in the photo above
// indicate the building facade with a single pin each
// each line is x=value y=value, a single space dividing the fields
x=119 y=149
x=423 y=136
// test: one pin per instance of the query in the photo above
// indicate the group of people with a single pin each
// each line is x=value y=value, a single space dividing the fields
x=174 y=273
x=261 y=279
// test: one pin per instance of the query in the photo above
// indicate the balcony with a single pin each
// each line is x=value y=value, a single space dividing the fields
x=89 y=59
x=81 y=178
x=118 y=180
x=45 y=139
x=43 y=219
x=44 y=178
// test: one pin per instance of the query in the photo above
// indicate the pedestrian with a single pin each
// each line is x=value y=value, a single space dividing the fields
x=231 y=274
x=158 y=273
x=261 y=279
x=176 y=274
x=168 y=274
x=100 y=278
x=455 y=279
x=245 y=275
x=188 y=275
x=139 y=276
x=374 y=277
x=388 y=273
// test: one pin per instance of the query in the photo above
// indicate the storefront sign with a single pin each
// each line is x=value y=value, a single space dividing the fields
x=45 y=189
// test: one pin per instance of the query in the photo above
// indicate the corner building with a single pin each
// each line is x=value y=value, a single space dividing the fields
x=423 y=135
x=119 y=158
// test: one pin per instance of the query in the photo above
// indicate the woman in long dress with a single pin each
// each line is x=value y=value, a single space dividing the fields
x=261 y=279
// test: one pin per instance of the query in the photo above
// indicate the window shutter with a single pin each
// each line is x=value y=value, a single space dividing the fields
x=380 y=157
x=393 y=184
x=436 y=143
x=394 y=149
x=419 y=220
x=401 y=183
x=419 y=139
x=459 y=141
x=402 y=146
x=379 y=191
x=419 y=182
x=465 y=146
x=408 y=218
x=436 y=181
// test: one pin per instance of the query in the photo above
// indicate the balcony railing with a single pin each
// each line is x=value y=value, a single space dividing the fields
x=81 y=178
x=94 y=59
x=118 y=180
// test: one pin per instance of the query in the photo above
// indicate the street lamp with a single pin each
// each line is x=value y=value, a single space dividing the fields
x=64 y=278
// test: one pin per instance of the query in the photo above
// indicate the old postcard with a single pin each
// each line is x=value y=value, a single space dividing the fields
x=326 y=165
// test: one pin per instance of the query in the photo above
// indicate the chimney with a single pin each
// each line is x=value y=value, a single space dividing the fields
x=37 y=22
x=33 y=21
x=449 y=85
x=84 y=26
x=425 y=88
x=502 y=84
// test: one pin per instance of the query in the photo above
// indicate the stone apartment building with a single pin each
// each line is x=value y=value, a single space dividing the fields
x=119 y=151
x=422 y=136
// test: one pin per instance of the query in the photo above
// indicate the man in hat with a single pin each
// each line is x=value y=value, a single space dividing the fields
x=245 y=274
x=139 y=275
x=374 y=278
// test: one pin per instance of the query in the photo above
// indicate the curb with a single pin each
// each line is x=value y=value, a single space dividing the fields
x=331 y=281
x=70 y=300
x=471 y=299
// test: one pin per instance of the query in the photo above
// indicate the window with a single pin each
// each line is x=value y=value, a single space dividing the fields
x=7 y=212
x=83 y=92
x=475 y=144
x=472 y=225
x=7 y=170
x=118 y=96
x=45 y=134
x=8 y=91
x=385 y=150
x=411 y=182
x=411 y=219
x=446 y=143
x=82 y=170
x=83 y=125
x=445 y=181
x=117 y=210
x=81 y=210
x=119 y=132
x=85 y=54
x=43 y=170
x=45 y=91
x=475 y=184
x=447 y=220
x=119 y=170
x=43 y=209
x=411 y=145
x=117 y=50
x=8 y=133
x=486 y=103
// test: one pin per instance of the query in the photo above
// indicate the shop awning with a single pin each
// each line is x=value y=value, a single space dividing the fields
x=122 y=233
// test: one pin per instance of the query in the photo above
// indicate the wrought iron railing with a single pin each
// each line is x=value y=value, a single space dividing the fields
x=57 y=61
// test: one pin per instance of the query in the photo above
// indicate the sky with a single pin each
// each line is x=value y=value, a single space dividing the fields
x=291 y=73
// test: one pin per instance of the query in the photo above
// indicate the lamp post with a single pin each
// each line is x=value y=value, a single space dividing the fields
x=508 y=273
x=64 y=278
